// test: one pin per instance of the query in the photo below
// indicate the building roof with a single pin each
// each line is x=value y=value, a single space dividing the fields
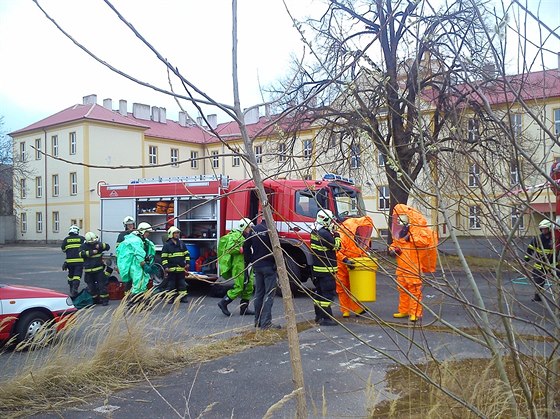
x=81 y=112
x=527 y=87
x=170 y=130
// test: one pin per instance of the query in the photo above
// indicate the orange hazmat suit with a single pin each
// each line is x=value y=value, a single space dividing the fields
x=355 y=236
x=414 y=245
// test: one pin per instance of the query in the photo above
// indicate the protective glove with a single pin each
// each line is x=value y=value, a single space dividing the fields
x=395 y=251
x=349 y=263
x=65 y=266
x=404 y=233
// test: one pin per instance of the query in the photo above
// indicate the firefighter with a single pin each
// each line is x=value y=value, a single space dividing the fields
x=412 y=241
x=542 y=255
x=231 y=259
x=355 y=237
x=175 y=259
x=129 y=226
x=133 y=254
x=73 y=263
x=92 y=253
x=325 y=242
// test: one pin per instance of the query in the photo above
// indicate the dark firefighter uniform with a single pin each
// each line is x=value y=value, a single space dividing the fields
x=541 y=254
x=73 y=263
x=94 y=269
x=175 y=259
x=324 y=245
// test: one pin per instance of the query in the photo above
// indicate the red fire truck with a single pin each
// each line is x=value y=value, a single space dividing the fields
x=206 y=207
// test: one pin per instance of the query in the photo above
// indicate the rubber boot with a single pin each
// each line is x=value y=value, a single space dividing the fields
x=74 y=288
x=327 y=318
x=223 y=305
x=318 y=314
x=244 y=309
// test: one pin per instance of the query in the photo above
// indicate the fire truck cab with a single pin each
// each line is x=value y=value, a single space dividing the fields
x=205 y=208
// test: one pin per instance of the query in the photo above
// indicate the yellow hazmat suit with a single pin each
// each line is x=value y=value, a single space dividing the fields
x=355 y=236
x=414 y=245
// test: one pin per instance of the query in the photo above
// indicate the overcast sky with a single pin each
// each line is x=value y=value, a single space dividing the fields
x=42 y=72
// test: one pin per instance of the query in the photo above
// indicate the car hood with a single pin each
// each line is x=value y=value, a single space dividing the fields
x=23 y=291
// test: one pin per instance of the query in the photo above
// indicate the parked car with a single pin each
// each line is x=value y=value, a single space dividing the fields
x=25 y=310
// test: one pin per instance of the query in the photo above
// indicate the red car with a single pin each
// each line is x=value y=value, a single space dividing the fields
x=24 y=310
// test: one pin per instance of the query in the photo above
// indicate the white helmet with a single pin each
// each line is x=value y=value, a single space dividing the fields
x=143 y=227
x=91 y=237
x=324 y=217
x=244 y=223
x=546 y=224
x=74 y=229
x=171 y=231
x=128 y=220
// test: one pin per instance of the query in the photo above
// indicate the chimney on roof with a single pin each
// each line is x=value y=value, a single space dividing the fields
x=108 y=104
x=252 y=115
x=200 y=121
x=155 y=113
x=182 y=118
x=213 y=121
x=90 y=100
x=162 y=115
x=267 y=111
x=123 y=109
x=141 y=111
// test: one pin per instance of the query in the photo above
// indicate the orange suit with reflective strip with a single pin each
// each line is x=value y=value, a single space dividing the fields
x=350 y=248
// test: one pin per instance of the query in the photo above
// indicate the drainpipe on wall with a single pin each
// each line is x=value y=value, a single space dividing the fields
x=45 y=223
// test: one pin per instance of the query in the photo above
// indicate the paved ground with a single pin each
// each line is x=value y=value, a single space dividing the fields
x=343 y=365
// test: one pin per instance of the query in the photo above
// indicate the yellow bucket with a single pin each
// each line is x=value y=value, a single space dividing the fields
x=363 y=278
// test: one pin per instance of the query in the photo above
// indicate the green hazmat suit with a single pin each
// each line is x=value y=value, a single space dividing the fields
x=130 y=254
x=232 y=265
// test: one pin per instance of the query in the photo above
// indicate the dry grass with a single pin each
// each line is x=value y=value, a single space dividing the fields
x=125 y=348
x=474 y=380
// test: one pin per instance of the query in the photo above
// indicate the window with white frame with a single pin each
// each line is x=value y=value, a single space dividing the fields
x=474 y=175
x=383 y=202
x=175 y=156
x=38 y=187
x=72 y=141
x=235 y=159
x=282 y=152
x=54 y=145
x=22 y=155
x=258 y=153
x=517 y=214
x=516 y=121
x=37 y=149
x=39 y=222
x=55 y=221
x=194 y=159
x=380 y=159
x=215 y=159
x=474 y=217
x=514 y=173
x=307 y=149
x=55 y=187
x=22 y=189
x=152 y=154
x=73 y=221
x=355 y=156
x=73 y=183
x=473 y=130
x=23 y=222
x=557 y=121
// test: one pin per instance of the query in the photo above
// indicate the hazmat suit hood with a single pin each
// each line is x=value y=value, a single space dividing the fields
x=415 y=219
x=355 y=235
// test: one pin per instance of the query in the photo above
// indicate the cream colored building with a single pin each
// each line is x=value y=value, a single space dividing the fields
x=72 y=151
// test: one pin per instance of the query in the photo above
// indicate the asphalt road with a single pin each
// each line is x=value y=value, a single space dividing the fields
x=340 y=363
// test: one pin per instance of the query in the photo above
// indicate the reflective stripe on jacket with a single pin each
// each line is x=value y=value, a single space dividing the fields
x=93 y=262
x=541 y=252
x=175 y=256
x=71 y=246
x=324 y=245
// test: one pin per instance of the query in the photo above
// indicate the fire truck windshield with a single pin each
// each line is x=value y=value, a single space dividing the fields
x=348 y=202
